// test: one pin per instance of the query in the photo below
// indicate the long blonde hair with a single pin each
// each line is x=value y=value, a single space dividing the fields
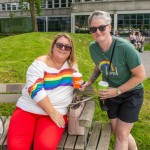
x=72 y=58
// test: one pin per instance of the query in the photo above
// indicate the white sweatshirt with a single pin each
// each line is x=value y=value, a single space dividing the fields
x=43 y=80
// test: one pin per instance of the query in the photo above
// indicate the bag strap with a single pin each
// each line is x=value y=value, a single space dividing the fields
x=84 y=100
x=111 y=59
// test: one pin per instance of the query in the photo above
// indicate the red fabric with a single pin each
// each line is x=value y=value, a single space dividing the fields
x=26 y=128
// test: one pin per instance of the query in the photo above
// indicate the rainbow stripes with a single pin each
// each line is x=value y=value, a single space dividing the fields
x=106 y=63
x=51 y=81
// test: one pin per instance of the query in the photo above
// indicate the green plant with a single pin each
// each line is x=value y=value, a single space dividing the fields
x=18 y=52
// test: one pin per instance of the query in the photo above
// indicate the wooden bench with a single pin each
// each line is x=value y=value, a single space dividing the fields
x=96 y=138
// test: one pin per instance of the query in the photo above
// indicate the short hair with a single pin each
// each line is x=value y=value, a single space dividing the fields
x=100 y=14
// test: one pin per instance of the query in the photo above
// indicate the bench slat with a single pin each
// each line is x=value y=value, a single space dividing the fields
x=63 y=140
x=105 y=138
x=9 y=97
x=94 y=137
x=2 y=140
x=70 y=143
x=97 y=140
x=80 y=143
x=87 y=114
x=14 y=88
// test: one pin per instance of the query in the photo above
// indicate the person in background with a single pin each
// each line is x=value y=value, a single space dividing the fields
x=40 y=114
x=124 y=97
x=117 y=34
x=133 y=38
x=140 y=40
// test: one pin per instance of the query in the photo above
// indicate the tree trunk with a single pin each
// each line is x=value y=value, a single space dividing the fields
x=33 y=16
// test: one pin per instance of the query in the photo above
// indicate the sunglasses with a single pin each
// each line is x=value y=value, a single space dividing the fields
x=100 y=28
x=60 y=46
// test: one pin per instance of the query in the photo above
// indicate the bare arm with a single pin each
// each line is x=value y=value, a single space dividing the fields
x=46 y=105
x=138 y=77
x=94 y=76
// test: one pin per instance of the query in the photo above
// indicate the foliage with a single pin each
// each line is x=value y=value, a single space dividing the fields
x=35 y=8
x=147 y=47
x=22 y=49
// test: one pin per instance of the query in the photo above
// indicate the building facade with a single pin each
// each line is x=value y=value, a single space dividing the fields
x=72 y=15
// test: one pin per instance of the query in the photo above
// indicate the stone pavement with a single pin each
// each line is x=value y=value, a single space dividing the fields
x=146 y=61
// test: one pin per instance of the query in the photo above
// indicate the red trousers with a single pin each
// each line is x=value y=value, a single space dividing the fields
x=26 y=128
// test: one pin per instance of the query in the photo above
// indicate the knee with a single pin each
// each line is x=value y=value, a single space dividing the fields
x=121 y=136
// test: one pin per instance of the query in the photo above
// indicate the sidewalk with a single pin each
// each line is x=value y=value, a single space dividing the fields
x=146 y=61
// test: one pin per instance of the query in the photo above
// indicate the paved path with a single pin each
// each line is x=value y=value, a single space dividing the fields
x=146 y=61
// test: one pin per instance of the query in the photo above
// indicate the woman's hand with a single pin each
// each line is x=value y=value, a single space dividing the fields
x=84 y=85
x=58 y=119
x=108 y=93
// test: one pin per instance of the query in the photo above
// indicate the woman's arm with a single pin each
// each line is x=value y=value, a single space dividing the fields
x=46 y=105
x=94 y=76
x=138 y=77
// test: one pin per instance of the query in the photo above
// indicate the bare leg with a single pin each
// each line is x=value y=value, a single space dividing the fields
x=124 y=140
x=131 y=143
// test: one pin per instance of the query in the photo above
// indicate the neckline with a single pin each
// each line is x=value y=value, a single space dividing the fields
x=49 y=66
x=110 y=49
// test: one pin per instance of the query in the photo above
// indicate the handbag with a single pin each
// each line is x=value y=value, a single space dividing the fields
x=1 y=127
x=75 y=111
x=102 y=103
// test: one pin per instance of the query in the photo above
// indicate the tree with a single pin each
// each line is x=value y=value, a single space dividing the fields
x=34 y=8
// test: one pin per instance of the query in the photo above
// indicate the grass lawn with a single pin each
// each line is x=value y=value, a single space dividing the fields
x=18 y=52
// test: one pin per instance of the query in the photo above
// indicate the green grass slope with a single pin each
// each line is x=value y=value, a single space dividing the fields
x=18 y=52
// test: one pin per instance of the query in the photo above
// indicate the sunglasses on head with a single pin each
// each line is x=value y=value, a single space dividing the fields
x=100 y=28
x=60 y=46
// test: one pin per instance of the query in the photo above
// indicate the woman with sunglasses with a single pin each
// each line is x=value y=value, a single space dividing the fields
x=40 y=114
x=124 y=97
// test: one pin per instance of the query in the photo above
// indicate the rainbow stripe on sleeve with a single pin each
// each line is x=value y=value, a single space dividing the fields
x=36 y=87
x=51 y=81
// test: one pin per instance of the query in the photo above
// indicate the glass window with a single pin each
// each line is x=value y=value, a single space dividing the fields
x=126 y=21
x=43 y=3
x=146 y=21
x=146 y=16
x=69 y=2
x=56 y=3
x=77 y=0
x=50 y=4
x=127 y=16
x=133 y=16
x=63 y=3
x=3 y=7
x=8 y=6
x=81 y=24
x=59 y=24
x=41 y=22
x=120 y=17
x=133 y=21
x=14 y=6
x=139 y=16
x=120 y=22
